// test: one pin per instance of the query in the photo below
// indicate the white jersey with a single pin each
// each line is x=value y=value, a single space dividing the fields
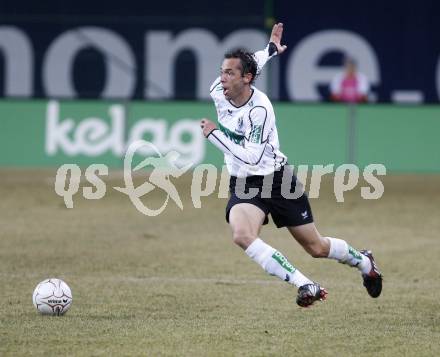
x=247 y=134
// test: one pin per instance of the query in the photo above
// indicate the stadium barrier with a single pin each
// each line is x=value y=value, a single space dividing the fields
x=40 y=133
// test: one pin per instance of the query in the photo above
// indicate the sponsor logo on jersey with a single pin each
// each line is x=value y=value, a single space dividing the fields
x=255 y=136
x=236 y=138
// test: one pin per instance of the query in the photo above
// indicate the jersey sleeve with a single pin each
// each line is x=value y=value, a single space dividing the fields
x=216 y=86
x=254 y=143
x=258 y=130
x=261 y=57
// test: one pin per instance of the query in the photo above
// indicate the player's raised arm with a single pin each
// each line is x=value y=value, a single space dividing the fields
x=272 y=49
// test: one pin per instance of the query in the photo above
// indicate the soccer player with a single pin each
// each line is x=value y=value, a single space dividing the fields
x=247 y=135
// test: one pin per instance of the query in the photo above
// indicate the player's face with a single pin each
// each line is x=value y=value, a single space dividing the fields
x=232 y=81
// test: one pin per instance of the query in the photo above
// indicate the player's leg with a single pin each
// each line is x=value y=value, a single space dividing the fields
x=296 y=215
x=246 y=220
x=327 y=247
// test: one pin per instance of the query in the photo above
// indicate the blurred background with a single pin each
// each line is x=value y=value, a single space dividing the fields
x=79 y=80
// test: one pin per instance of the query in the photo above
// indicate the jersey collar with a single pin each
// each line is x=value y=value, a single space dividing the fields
x=252 y=94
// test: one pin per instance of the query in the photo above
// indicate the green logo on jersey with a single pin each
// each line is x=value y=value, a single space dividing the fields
x=281 y=259
x=236 y=138
x=256 y=132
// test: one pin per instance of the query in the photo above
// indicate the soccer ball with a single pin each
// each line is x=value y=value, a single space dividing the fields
x=52 y=297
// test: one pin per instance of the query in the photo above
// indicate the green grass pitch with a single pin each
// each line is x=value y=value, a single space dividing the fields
x=175 y=285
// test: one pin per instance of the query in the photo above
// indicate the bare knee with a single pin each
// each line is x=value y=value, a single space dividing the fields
x=243 y=238
x=311 y=240
x=318 y=249
x=318 y=252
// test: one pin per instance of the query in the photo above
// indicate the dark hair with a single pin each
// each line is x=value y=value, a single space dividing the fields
x=247 y=60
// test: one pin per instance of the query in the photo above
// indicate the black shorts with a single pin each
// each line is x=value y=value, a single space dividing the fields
x=285 y=211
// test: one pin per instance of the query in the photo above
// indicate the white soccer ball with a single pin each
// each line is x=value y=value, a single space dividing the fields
x=52 y=297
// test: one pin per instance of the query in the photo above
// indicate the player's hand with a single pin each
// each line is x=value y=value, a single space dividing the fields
x=207 y=126
x=275 y=37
